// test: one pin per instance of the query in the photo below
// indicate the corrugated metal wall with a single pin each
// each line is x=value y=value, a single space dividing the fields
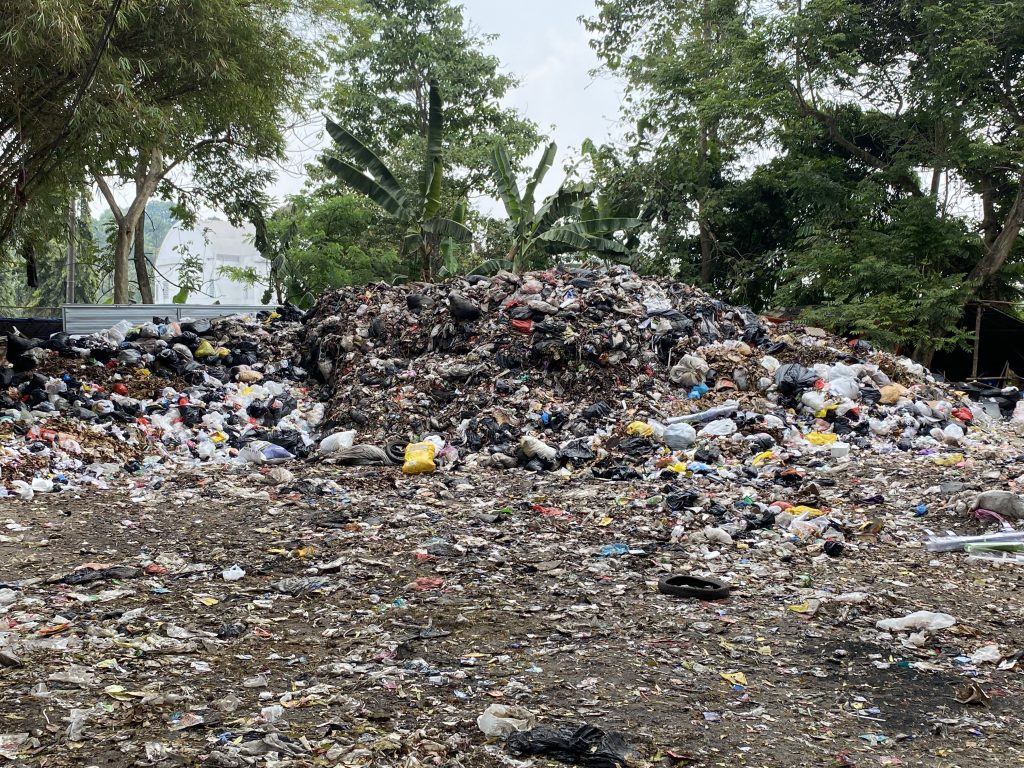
x=90 y=318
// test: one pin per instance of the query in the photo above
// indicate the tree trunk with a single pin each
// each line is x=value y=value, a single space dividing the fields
x=141 y=269
x=704 y=171
x=122 y=245
x=69 y=277
x=427 y=260
x=998 y=250
x=707 y=248
x=707 y=245
x=151 y=170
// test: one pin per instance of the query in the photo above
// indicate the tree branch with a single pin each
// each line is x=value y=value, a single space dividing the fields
x=108 y=195
x=196 y=147
x=830 y=122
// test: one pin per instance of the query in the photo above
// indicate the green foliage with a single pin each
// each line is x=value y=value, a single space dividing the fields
x=696 y=109
x=45 y=237
x=566 y=222
x=361 y=168
x=186 y=100
x=864 y=158
x=386 y=55
x=318 y=243
x=920 y=260
x=190 y=278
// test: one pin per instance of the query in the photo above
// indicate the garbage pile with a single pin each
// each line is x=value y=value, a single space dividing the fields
x=79 y=410
x=569 y=516
x=602 y=372
x=567 y=370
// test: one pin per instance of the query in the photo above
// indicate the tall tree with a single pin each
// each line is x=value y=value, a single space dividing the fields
x=890 y=135
x=566 y=222
x=387 y=54
x=417 y=210
x=694 y=110
x=924 y=102
x=50 y=56
x=201 y=87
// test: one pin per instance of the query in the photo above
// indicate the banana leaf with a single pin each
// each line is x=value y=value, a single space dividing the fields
x=372 y=188
x=367 y=159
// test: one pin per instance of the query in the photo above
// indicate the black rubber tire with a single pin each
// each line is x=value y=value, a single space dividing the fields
x=395 y=451
x=694 y=586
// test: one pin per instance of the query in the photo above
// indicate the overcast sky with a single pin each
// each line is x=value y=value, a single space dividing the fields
x=542 y=43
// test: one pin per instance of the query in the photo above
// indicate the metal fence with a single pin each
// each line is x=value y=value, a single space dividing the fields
x=90 y=318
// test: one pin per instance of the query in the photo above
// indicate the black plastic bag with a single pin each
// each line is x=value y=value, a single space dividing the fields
x=599 y=410
x=707 y=455
x=191 y=415
x=169 y=358
x=187 y=339
x=576 y=452
x=792 y=379
x=198 y=327
x=870 y=395
x=193 y=373
x=17 y=347
x=218 y=372
x=637 y=447
x=291 y=441
x=585 y=745
x=681 y=498
x=607 y=469
x=281 y=406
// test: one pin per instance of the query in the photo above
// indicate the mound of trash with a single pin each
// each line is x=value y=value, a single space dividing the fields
x=707 y=512
x=568 y=370
x=573 y=366
x=78 y=410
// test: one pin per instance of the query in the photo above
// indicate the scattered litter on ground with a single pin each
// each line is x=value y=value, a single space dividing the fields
x=575 y=515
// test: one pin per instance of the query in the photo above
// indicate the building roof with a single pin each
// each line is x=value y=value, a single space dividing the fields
x=226 y=238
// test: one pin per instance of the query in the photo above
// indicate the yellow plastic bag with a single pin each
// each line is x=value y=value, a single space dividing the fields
x=205 y=349
x=419 y=458
x=639 y=429
x=821 y=438
x=809 y=511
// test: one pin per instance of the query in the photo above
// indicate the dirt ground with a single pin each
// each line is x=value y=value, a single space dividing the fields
x=380 y=615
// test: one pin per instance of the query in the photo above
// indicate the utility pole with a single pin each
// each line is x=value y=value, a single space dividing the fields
x=69 y=288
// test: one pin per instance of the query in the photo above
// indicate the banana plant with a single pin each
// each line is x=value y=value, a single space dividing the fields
x=449 y=246
x=565 y=222
x=362 y=169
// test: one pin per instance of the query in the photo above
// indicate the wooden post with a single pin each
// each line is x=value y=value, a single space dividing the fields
x=69 y=286
x=977 y=342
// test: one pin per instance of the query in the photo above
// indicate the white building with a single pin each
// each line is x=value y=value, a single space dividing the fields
x=217 y=244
